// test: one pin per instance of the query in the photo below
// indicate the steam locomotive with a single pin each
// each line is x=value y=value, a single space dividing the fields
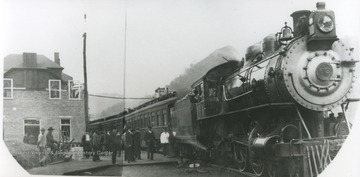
x=271 y=112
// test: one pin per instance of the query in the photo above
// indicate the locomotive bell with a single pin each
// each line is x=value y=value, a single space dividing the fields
x=286 y=33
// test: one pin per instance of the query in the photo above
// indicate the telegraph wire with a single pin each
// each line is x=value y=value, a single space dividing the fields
x=120 y=98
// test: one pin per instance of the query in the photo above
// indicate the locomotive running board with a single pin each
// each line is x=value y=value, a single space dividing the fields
x=249 y=109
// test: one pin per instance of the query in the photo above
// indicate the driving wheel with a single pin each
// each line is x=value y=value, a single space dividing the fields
x=257 y=163
x=240 y=151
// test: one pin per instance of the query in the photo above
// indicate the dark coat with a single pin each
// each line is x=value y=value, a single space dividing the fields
x=149 y=137
x=118 y=139
x=136 y=138
x=50 y=140
x=128 y=139
x=96 y=140
x=107 y=139
x=115 y=139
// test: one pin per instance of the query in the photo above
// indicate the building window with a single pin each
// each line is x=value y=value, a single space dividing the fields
x=138 y=122
x=158 y=118
x=165 y=117
x=65 y=129
x=153 y=120
x=142 y=121
x=8 y=88
x=147 y=120
x=74 y=89
x=161 y=118
x=31 y=130
x=54 y=89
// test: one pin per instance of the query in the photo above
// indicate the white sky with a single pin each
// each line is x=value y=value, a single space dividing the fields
x=164 y=36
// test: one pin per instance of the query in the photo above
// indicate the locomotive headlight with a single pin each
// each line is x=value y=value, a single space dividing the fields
x=325 y=23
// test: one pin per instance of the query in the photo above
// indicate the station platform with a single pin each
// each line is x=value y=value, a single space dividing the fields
x=158 y=159
x=84 y=164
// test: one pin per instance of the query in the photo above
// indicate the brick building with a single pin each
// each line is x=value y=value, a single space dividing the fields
x=37 y=94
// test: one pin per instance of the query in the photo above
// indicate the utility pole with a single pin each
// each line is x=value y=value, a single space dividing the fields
x=86 y=96
x=124 y=83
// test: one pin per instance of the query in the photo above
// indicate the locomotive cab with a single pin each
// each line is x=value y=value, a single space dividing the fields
x=208 y=90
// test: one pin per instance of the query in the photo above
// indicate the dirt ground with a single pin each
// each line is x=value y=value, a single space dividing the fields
x=25 y=154
x=174 y=171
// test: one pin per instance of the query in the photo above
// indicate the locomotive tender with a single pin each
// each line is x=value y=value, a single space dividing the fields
x=270 y=113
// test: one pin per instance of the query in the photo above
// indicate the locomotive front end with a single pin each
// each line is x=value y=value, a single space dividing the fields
x=318 y=68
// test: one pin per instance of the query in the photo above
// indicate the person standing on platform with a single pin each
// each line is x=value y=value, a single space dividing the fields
x=164 y=140
x=107 y=141
x=96 y=146
x=137 y=141
x=150 y=143
x=42 y=145
x=115 y=144
x=86 y=142
x=118 y=142
x=172 y=143
x=50 y=142
x=129 y=146
x=123 y=143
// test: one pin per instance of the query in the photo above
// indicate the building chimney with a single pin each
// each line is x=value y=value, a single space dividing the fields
x=56 y=58
x=29 y=60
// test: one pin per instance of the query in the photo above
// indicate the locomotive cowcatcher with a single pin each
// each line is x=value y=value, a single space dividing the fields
x=271 y=113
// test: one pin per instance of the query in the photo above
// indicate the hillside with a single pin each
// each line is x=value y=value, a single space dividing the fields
x=104 y=107
x=100 y=107
x=182 y=84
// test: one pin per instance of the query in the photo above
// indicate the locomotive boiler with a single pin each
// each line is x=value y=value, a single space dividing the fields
x=271 y=113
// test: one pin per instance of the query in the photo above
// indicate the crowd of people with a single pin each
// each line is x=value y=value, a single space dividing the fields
x=113 y=142
x=129 y=141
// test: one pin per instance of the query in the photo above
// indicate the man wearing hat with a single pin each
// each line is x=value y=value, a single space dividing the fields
x=150 y=142
x=129 y=146
x=96 y=146
x=50 y=142
x=115 y=143
x=41 y=144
